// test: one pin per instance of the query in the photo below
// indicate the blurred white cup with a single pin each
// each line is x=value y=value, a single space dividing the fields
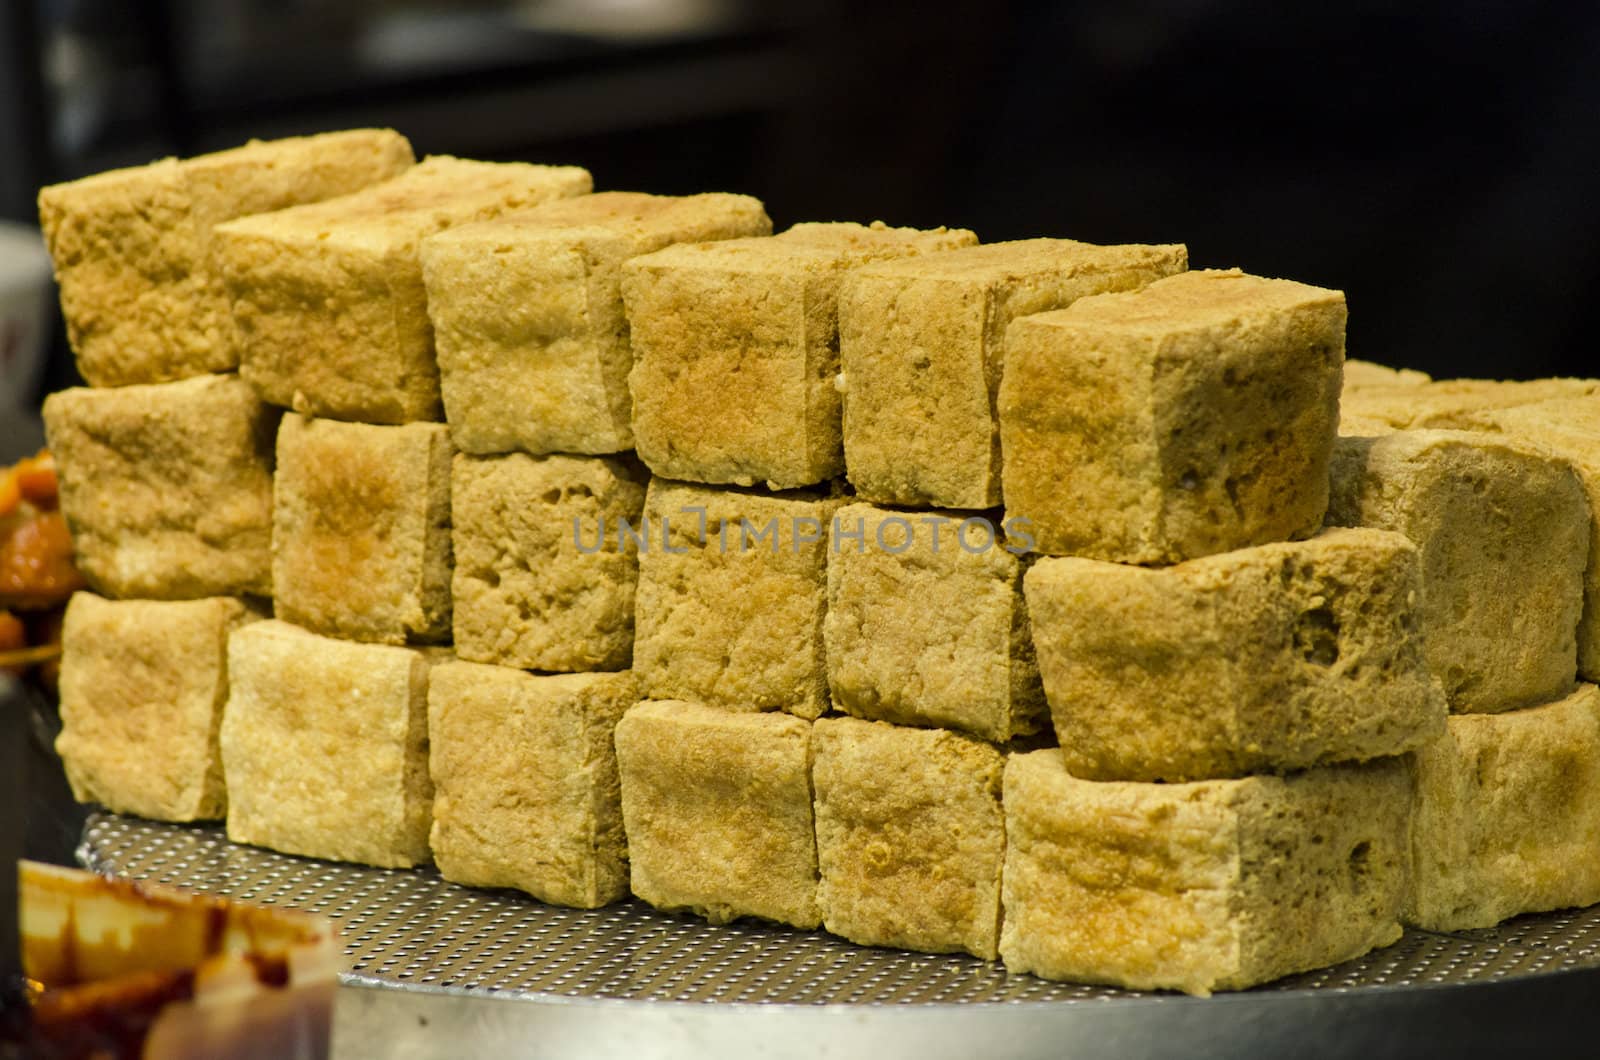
x=26 y=290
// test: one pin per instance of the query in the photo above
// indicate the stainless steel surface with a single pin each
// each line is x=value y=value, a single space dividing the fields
x=412 y=930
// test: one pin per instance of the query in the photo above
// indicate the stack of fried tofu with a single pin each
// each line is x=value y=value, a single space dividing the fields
x=1019 y=599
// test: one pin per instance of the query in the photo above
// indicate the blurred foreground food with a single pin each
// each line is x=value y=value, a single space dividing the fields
x=37 y=574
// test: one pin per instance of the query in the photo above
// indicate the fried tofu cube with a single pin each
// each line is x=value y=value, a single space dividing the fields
x=134 y=251
x=167 y=487
x=1215 y=885
x=1266 y=659
x=545 y=572
x=732 y=592
x=361 y=529
x=717 y=808
x=525 y=781
x=1455 y=404
x=328 y=299
x=920 y=342
x=1508 y=816
x=143 y=683
x=528 y=320
x=736 y=350
x=1502 y=531
x=1569 y=428
x=910 y=836
x=325 y=746
x=926 y=624
x=1114 y=446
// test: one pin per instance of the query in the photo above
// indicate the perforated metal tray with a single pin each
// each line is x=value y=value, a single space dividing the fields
x=412 y=930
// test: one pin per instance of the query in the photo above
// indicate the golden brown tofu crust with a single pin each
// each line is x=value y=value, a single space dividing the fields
x=143 y=683
x=1502 y=532
x=736 y=350
x=1508 y=816
x=1113 y=446
x=526 y=792
x=361 y=529
x=545 y=574
x=167 y=487
x=1266 y=659
x=910 y=836
x=926 y=623
x=717 y=807
x=135 y=256
x=528 y=318
x=325 y=746
x=328 y=299
x=732 y=593
x=921 y=344
x=1216 y=885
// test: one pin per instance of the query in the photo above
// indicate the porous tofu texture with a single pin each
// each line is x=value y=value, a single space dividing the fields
x=545 y=572
x=325 y=746
x=361 y=529
x=926 y=623
x=142 y=295
x=1454 y=404
x=717 y=808
x=1265 y=659
x=732 y=592
x=1359 y=374
x=1216 y=885
x=1508 y=816
x=328 y=299
x=143 y=683
x=525 y=781
x=167 y=487
x=921 y=344
x=528 y=320
x=1113 y=445
x=910 y=836
x=736 y=350
x=1569 y=428
x=1502 y=531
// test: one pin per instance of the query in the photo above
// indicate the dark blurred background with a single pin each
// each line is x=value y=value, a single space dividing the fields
x=1435 y=160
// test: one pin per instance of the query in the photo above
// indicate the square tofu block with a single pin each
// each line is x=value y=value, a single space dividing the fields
x=1267 y=659
x=361 y=529
x=1502 y=531
x=717 y=807
x=736 y=350
x=921 y=344
x=926 y=624
x=328 y=298
x=1569 y=428
x=1457 y=404
x=167 y=487
x=732 y=591
x=525 y=781
x=143 y=299
x=1217 y=885
x=527 y=315
x=325 y=746
x=910 y=836
x=143 y=683
x=1191 y=417
x=1508 y=816
x=544 y=571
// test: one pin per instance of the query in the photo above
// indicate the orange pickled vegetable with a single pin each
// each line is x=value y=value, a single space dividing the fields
x=10 y=491
x=36 y=569
x=13 y=634
x=36 y=479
